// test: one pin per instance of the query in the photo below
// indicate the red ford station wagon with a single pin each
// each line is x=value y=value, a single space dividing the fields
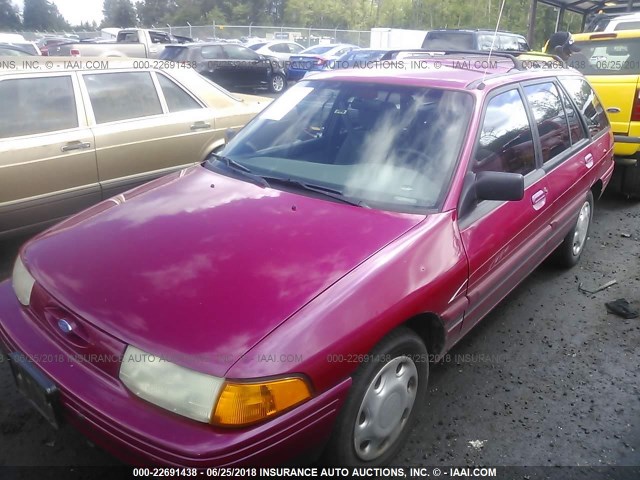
x=282 y=300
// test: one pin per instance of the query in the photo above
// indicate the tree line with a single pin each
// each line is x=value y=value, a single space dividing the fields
x=342 y=14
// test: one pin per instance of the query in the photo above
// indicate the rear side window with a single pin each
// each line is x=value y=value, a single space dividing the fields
x=177 y=99
x=587 y=102
x=280 y=48
x=236 y=52
x=212 y=51
x=627 y=26
x=128 y=37
x=573 y=118
x=122 y=96
x=37 y=105
x=546 y=105
x=506 y=141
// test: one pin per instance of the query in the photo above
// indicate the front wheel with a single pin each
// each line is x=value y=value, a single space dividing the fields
x=571 y=249
x=381 y=408
x=278 y=83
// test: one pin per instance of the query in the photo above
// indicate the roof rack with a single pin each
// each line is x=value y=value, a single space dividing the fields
x=518 y=63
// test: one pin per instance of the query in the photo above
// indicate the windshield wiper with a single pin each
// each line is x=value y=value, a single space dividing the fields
x=326 y=191
x=240 y=169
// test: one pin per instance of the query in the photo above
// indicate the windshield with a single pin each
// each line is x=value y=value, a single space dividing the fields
x=619 y=56
x=256 y=46
x=391 y=147
x=448 y=41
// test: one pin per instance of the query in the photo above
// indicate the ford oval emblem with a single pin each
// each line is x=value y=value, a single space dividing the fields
x=64 y=326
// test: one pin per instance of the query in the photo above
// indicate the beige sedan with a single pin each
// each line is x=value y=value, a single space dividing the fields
x=76 y=131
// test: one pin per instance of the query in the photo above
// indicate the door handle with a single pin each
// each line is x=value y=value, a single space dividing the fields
x=200 y=126
x=613 y=110
x=75 y=146
x=588 y=160
x=539 y=199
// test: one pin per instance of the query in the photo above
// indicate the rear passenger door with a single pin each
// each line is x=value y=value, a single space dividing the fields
x=193 y=123
x=47 y=153
x=567 y=153
x=251 y=70
x=504 y=241
x=135 y=139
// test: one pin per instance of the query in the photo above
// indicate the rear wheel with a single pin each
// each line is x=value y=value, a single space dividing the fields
x=571 y=249
x=381 y=409
x=278 y=83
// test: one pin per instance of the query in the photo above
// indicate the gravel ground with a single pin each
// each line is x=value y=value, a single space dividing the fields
x=549 y=378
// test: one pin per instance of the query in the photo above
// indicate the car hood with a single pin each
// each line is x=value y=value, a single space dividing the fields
x=200 y=267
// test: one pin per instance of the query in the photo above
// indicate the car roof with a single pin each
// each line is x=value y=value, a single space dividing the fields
x=475 y=30
x=628 y=16
x=447 y=76
x=271 y=42
x=585 y=37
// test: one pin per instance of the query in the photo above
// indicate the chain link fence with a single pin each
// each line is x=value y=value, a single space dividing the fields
x=306 y=37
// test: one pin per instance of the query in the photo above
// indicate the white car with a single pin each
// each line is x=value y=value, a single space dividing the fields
x=609 y=23
x=281 y=49
x=19 y=41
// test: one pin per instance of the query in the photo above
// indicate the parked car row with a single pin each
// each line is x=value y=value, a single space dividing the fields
x=232 y=66
x=90 y=134
x=280 y=301
x=274 y=64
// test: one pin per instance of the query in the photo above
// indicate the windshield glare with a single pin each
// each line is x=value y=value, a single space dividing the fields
x=392 y=147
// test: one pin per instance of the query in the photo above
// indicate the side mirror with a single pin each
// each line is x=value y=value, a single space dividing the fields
x=501 y=186
x=229 y=134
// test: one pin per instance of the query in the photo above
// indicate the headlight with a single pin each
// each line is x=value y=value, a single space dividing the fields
x=22 y=282
x=207 y=398
x=168 y=385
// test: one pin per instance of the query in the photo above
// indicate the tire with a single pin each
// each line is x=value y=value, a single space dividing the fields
x=396 y=375
x=570 y=250
x=278 y=83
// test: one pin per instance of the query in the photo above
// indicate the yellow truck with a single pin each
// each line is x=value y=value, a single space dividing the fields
x=611 y=63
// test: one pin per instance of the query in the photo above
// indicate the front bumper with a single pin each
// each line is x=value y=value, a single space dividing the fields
x=139 y=433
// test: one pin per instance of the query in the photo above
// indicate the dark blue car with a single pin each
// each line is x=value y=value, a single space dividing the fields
x=315 y=58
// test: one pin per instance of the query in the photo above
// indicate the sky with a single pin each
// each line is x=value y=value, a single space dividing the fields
x=76 y=11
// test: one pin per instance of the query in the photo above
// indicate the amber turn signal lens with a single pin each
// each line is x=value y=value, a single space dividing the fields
x=242 y=404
